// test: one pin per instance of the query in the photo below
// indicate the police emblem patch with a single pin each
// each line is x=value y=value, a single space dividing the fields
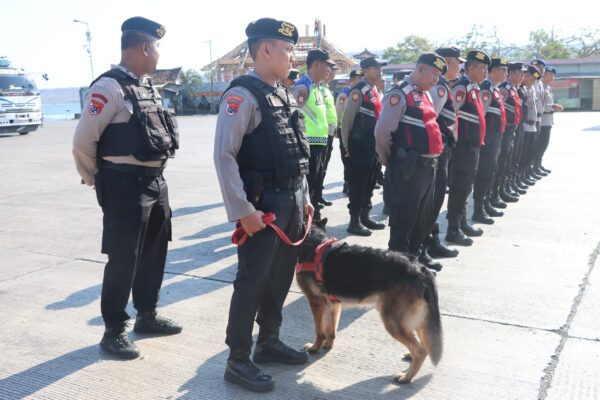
x=97 y=103
x=486 y=97
x=301 y=99
x=416 y=97
x=394 y=99
x=355 y=96
x=441 y=92
x=233 y=104
x=460 y=95
x=342 y=100
x=160 y=31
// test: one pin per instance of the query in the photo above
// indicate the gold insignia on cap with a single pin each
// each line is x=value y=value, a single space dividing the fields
x=440 y=64
x=480 y=56
x=503 y=61
x=536 y=75
x=287 y=29
x=160 y=31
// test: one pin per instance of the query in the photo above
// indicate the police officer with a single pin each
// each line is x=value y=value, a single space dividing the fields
x=465 y=156
x=514 y=112
x=261 y=158
x=409 y=141
x=532 y=76
x=291 y=79
x=495 y=125
x=309 y=96
x=121 y=146
x=547 y=121
x=443 y=104
x=340 y=102
x=540 y=95
x=358 y=126
x=332 y=120
x=518 y=183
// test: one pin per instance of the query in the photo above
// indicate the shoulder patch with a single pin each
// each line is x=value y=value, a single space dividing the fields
x=342 y=99
x=97 y=103
x=441 y=92
x=355 y=96
x=394 y=99
x=233 y=98
x=460 y=95
x=486 y=97
x=233 y=104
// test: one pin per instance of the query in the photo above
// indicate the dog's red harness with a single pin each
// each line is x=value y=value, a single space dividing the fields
x=240 y=236
x=316 y=265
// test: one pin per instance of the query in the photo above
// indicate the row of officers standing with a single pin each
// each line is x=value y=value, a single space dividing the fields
x=432 y=130
x=482 y=129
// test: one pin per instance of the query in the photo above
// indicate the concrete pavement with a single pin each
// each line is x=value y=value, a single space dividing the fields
x=519 y=307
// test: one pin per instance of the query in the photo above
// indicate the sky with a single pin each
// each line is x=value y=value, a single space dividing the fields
x=41 y=37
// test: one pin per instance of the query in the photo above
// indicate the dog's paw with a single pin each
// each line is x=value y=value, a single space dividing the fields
x=313 y=348
x=403 y=378
x=328 y=345
x=407 y=356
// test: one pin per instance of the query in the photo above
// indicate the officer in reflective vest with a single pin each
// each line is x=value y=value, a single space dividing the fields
x=332 y=121
x=309 y=96
x=465 y=157
x=261 y=158
x=408 y=143
x=443 y=102
x=121 y=146
x=514 y=114
x=358 y=125
x=495 y=125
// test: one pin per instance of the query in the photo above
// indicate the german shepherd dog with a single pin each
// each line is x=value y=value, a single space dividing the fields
x=403 y=292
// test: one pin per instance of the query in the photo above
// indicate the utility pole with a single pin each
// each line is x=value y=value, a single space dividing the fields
x=212 y=91
x=89 y=45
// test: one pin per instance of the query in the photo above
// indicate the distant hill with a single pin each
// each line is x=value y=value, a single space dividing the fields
x=60 y=95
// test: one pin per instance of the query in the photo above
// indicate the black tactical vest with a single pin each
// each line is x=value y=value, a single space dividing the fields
x=278 y=147
x=151 y=133
x=523 y=95
x=509 y=103
x=471 y=121
x=493 y=116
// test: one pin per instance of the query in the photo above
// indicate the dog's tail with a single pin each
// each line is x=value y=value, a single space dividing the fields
x=433 y=329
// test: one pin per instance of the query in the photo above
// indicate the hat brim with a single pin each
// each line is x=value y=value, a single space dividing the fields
x=290 y=40
x=329 y=62
x=462 y=60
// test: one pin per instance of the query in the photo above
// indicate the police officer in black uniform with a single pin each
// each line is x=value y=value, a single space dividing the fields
x=121 y=146
x=409 y=142
x=261 y=158
x=465 y=156
x=443 y=103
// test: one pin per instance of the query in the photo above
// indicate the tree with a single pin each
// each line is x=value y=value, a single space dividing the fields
x=586 y=44
x=409 y=50
x=546 y=45
x=191 y=77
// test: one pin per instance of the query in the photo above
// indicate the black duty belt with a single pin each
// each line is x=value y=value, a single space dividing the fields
x=284 y=183
x=427 y=161
x=133 y=169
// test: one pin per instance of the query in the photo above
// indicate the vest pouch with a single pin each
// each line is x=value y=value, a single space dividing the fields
x=172 y=127
x=299 y=130
x=253 y=186
x=157 y=138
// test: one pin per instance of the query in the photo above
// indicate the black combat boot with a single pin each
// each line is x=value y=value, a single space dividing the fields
x=116 y=342
x=356 y=228
x=326 y=203
x=149 y=322
x=496 y=202
x=546 y=170
x=491 y=210
x=507 y=192
x=479 y=214
x=429 y=262
x=436 y=249
x=270 y=349
x=455 y=235
x=538 y=171
x=469 y=230
x=241 y=371
x=370 y=223
x=526 y=181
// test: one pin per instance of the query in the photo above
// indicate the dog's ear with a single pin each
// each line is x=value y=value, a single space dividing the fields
x=321 y=224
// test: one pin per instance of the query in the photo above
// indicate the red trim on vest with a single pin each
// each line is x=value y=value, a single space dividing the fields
x=518 y=105
x=500 y=101
x=372 y=96
x=316 y=265
x=429 y=118
x=479 y=105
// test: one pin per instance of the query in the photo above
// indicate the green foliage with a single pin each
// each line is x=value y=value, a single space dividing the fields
x=191 y=77
x=408 y=50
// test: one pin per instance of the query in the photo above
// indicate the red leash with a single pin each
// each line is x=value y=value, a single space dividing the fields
x=240 y=236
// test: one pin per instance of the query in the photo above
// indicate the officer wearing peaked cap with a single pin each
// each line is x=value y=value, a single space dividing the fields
x=532 y=76
x=121 y=146
x=550 y=107
x=358 y=124
x=261 y=158
x=443 y=102
x=409 y=141
x=465 y=157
